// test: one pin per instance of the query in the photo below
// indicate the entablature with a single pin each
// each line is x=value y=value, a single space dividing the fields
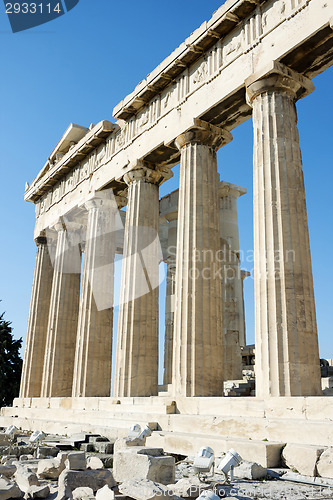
x=212 y=88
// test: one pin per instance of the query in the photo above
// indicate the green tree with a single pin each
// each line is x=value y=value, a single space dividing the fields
x=10 y=363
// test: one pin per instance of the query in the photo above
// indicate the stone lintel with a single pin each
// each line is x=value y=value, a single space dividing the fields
x=277 y=76
x=202 y=132
x=228 y=189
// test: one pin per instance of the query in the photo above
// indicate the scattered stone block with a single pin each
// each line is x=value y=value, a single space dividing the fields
x=5 y=450
x=32 y=465
x=250 y=470
x=7 y=470
x=143 y=489
x=302 y=458
x=104 y=447
x=64 y=493
x=105 y=493
x=94 y=463
x=83 y=493
x=106 y=459
x=23 y=450
x=4 y=439
x=7 y=459
x=62 y=456
x=47 y=451
x=188 y=488
x=81 y=436
x=94 y=479
x=98 y=439
x=76 y=460
x=325 y=464
x=123 y=443
x=87 y=447
x=24 y=458
x=25 y=478
x=144 y=463
x=9 y=489
x=38 y=492
x=50 y=468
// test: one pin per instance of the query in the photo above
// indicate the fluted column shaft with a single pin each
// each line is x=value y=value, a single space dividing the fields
x=170 y=299
x=63 y=316
x=198 y=337
x=233 y=305
x=136 y=371
x=32 y=370
x=287 y=358
x=93 y=357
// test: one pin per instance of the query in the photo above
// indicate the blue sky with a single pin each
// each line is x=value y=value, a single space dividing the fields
x=76 y=69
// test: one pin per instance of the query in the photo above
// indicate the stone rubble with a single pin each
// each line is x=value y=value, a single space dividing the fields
x=145 y=473
x=325 y=464
x=144 y=463
x=9 y=489
x=302 y=458
x=144 y=489
x=250 y=470
x=94 y=463
x=24 y=478
x=7 y=470
x=76 y=461
x=105 y=493
x=83 y=493
x=50 y=468
x=42 y=491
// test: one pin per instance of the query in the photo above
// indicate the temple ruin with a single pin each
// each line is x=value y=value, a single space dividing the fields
x=97 y=203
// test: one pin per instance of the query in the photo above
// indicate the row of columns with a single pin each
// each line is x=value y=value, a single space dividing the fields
x=229 y=273
x=287 y=358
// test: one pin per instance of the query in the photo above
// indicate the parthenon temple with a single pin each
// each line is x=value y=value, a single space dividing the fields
x=103 y=230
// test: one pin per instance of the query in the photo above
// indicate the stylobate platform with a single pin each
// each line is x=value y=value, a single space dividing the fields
x=257 y=429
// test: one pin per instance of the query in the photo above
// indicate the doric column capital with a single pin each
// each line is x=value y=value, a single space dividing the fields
x=245 y=274
x=172 y=217
x=204 y=133
x=65 y=225
x=228 y=189
x=280 y=78
x=121 y=201
x=41 y=240
x=104 y=200
x=144 y=173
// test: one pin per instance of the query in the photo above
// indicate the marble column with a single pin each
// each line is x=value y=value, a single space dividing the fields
x=93 y=357
x=136 y=370
x=32 y=369
x=63 y=315
x=170 y=297
x=233 y=304
x=287 y=358
x=198 y=338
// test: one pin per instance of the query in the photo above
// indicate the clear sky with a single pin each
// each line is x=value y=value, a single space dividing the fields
x=76 y=69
